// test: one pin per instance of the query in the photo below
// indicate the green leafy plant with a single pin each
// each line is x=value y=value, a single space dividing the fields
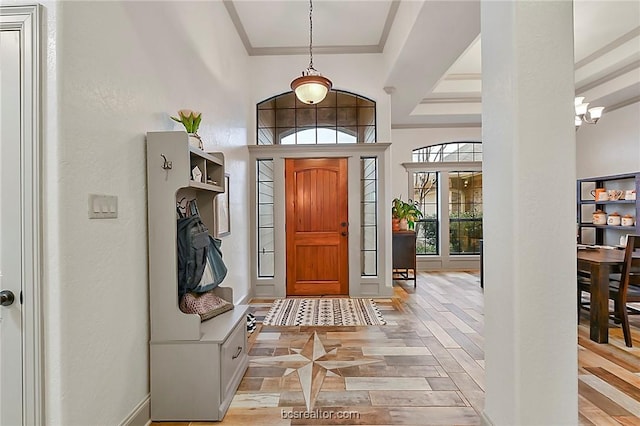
x=405 y=210
x=189 y=119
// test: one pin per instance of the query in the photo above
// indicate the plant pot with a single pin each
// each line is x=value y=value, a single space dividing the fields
x=195 y=141
x=404 y=225
x=395 y=224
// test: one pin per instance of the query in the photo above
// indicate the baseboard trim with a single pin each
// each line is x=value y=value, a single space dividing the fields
x=140 y=415
x=244 y=300
x=485 y=420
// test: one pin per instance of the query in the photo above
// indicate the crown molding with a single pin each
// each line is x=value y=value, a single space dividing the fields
x=452 y=100
x=608 y=77
x=235 y=19
x=301 y=50
x=465 y=76
x=609 y=47
x=623 y=104
x=436 y=126
x=388 y=23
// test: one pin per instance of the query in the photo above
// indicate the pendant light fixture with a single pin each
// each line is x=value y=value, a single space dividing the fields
x=311 y=87
x=590 y=116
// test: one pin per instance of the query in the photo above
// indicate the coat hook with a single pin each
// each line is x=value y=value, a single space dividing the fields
x=168 y=165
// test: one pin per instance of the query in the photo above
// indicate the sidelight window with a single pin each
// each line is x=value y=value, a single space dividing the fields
x=369 y=217
x=425 y=193
x=266 y=233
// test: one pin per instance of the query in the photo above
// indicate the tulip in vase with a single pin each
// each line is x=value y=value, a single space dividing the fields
x=191 y=121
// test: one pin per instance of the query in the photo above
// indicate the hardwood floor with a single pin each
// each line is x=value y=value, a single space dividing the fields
x=609 y=376
x=426 y=367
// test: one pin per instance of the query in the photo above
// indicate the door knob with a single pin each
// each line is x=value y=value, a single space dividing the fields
x=6 y=297
x=344 y=234
x=344 y=224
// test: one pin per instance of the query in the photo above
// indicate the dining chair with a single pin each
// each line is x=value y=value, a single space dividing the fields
x=622 y=291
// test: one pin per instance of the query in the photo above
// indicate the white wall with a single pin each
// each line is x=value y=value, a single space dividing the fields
x=119 y=69
x=404 y=141
x=612 y=146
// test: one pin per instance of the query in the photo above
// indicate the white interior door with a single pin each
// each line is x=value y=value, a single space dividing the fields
x=11 y=243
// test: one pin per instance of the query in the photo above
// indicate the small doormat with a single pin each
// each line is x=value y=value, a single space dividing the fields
x=324 y=312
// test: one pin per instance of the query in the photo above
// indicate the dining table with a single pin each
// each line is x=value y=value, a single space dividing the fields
x=599 y=263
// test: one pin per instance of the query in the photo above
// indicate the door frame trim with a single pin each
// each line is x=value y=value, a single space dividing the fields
x=28 y=20
x=359 y=286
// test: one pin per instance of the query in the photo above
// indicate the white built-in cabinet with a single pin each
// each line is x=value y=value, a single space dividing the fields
x=195 y=366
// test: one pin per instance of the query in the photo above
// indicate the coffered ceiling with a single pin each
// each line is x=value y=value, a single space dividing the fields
x=435 y=79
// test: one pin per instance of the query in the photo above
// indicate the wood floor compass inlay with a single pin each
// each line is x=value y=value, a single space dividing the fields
x=312 y=363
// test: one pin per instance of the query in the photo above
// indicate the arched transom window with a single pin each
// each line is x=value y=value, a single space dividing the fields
x=451 y=152
x=342 y=117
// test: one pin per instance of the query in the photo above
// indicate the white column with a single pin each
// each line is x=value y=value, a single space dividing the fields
x=530 y=231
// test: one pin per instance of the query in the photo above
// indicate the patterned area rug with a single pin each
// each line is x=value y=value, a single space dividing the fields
x=323 y=312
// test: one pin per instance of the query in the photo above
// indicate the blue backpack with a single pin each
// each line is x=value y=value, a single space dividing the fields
x=193 y=249
x=200 y=265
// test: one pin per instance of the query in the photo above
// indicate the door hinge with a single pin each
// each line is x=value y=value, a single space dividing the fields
x=21 y=297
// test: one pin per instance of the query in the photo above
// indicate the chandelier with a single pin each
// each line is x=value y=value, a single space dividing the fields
x=590 y=116
x=311 y=87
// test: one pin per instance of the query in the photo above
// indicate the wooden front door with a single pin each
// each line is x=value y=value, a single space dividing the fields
x=317 y=226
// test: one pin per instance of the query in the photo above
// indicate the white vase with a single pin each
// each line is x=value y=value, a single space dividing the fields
x=195 y=141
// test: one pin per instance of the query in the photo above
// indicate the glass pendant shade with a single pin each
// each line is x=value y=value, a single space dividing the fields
x=311 y=89
x=596 y=113
x=582 y=109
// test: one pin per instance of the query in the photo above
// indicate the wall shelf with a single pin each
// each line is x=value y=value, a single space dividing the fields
x=608 y=202
x=588 y=233
x=613 y=227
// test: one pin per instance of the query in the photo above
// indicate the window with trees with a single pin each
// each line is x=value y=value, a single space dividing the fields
x=465 y=212
x=446 y=182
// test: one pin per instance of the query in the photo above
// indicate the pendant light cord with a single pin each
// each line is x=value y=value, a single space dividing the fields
x=311 y=34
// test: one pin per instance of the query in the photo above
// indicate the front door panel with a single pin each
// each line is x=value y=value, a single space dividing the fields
x=317 y=226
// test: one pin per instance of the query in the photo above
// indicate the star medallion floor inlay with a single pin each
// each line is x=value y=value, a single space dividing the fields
x=312 y=363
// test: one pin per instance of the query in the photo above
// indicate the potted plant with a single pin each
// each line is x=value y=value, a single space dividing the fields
x=404 y=214
x=191 y=121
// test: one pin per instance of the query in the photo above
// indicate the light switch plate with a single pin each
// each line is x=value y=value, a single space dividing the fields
x=103 y=206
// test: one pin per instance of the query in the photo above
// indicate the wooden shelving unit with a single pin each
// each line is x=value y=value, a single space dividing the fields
x=195 y=366
x=606 y=234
